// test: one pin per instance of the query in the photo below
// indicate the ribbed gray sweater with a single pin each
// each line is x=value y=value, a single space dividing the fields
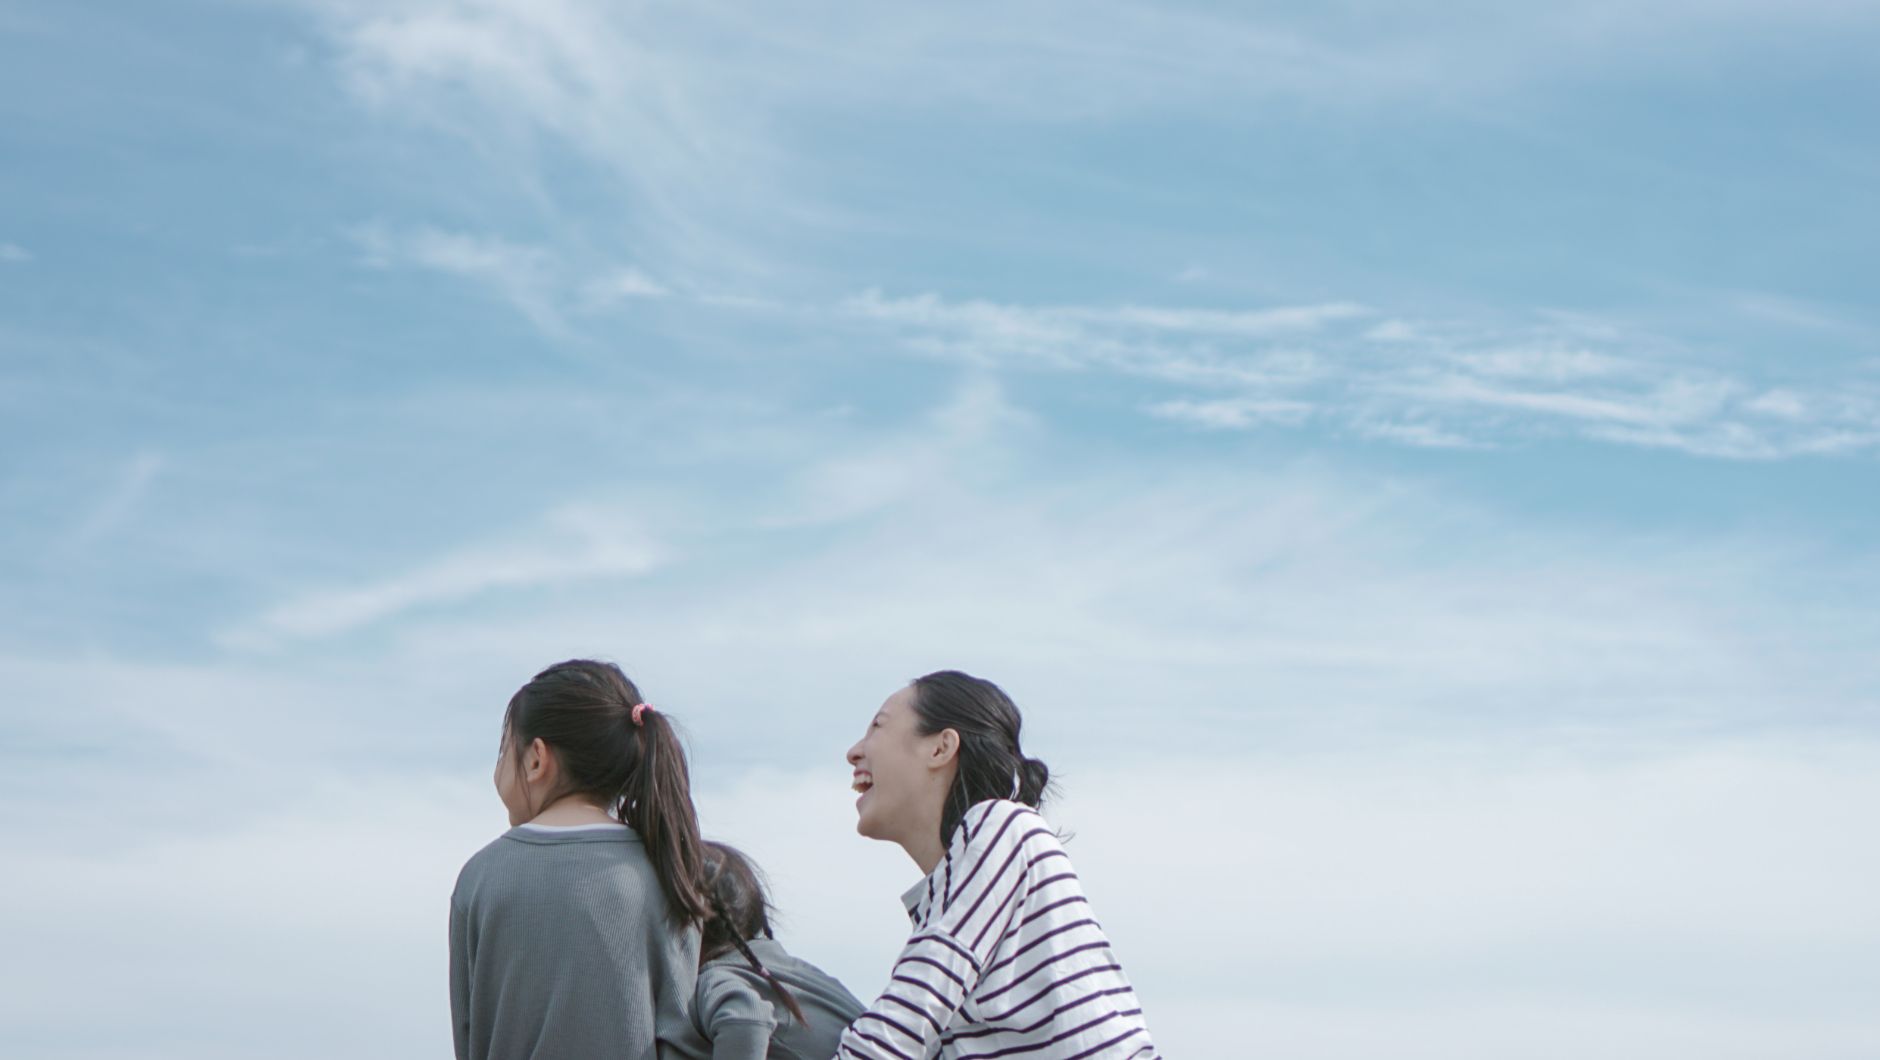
x=561 y=949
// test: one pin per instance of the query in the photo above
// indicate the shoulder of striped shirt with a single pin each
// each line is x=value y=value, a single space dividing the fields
x=996 y=814
x=1000 y=826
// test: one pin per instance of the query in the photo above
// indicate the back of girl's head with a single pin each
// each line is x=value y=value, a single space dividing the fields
x=636 y=769
x=740 y=913
x=991 y=763
x=740 y=906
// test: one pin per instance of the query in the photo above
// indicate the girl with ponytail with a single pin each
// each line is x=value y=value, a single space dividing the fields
x=576 y=933
x=754 y=1000
x=1006 y=958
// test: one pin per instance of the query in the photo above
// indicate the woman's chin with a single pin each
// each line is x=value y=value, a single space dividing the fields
x=865 y=823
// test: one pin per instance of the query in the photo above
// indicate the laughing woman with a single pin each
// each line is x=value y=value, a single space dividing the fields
x=1006 y=958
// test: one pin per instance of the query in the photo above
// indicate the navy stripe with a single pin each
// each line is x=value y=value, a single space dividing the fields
x=1049 y=880
x=1016 y=954
x=999 y=875
x=1033 y=999
x=911 y=1007
x=1043 y=909
x=883 y=1019
x=869 y=1037
x=923 y=986
x=1054 y=852
x=973 y=829
x=949 y=944
x=1046 y=963
x=1053 y=1040
x=990 y=847
x=1112 y=1041
x=944 y=970
x=997 y=913
x=980 y=1032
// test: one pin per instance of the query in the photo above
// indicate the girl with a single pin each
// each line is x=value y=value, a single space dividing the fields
x=576 y=933
x=1006 y=958
x=754 y=1000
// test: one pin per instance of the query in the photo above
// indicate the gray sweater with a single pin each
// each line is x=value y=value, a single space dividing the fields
x=736 y=1016
x=561 y=949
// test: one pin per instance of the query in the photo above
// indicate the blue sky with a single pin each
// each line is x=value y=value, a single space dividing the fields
x=1415 y=464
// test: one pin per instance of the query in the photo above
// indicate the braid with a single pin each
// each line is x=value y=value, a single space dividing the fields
x=737 y=939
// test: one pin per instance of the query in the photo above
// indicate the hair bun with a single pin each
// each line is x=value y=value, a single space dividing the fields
x=1033 y=777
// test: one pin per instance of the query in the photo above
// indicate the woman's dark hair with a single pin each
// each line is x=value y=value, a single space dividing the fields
x=991 y=765
x=637 y=772
x=740 y=912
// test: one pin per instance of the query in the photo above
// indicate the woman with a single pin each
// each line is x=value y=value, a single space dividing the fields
x=1006 y=958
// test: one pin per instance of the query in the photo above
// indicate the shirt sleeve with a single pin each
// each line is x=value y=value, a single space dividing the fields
x=984 y=880
x=736 y=1018
x=460 y=956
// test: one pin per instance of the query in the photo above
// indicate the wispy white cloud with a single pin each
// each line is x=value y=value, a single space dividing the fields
x=1421 y=435
x=1797 y=313
x=974 y=426
x=622 y=284
x=1421 y=383
x=1176 y=344
x=575 y=543
x=536 y=281
x=1233 y=413
x=14 y=254
x=127 y=490
x=521 y=275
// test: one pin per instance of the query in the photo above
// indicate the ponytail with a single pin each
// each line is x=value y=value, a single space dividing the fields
x=657 y=802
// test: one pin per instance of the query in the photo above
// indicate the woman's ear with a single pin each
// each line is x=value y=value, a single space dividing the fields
x=538 y=761
x=946 y=748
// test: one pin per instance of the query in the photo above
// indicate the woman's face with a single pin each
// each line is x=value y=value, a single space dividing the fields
x=903 y=783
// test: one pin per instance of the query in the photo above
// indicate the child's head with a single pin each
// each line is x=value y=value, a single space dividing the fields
x=740 y=908
x=740 y=912
x=584 y=730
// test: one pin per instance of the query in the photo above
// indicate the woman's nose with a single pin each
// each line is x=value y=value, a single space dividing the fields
x=855 y=754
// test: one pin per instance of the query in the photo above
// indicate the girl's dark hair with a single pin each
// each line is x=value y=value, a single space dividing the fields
x=991 y=765
x=584 y=710
x=740 y=912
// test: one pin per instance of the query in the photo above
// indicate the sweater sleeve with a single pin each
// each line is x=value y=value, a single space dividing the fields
x=734 y=1016
x=460 y=955
x=983 y=883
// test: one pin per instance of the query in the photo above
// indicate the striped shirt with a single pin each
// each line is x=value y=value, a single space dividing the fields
x=1006 y=959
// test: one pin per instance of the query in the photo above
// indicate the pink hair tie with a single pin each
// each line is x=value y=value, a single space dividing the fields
x=641 y=709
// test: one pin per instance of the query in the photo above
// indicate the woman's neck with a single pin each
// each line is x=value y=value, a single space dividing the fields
x=571 y=810
x=923 y=844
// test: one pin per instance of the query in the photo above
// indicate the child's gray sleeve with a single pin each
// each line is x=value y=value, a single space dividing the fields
x=741 y=1040
x=734 y=1016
